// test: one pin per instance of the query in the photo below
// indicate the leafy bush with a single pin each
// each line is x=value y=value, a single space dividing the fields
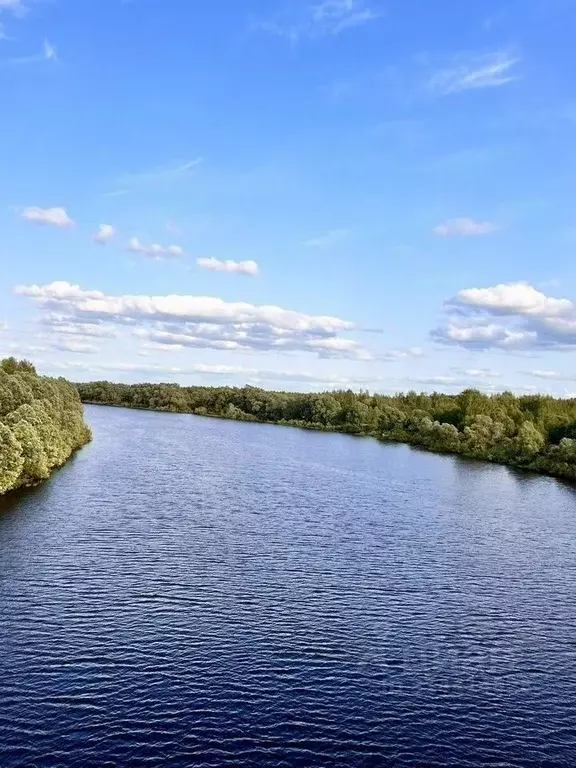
x=41 y=424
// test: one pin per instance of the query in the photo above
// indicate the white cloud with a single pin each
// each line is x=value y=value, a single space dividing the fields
x=549 y=375
x=18 y=349
x=105 y=233
x=244 y=338
x=329 y=240
x=60 y=324
x=464 y=227
x=335 y=16
x=155 y=251
x=483 y=336
x=73 y=346
x=402 y=354
x=56 y=217
x=16 y=6
x=474 y=72
x=325 y=18
x=478 y=373
x=446 y=381
x=514 y=298
x=49 y=51
x=240 y=267
x=527 y=318
x=201 y=321
x=46 y=53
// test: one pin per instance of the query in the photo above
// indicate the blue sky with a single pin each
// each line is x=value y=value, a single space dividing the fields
x=300 y=194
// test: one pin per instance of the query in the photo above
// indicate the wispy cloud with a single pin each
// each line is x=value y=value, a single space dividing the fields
x=474 y=72
x=323 y=19
x=16 y=6
x=55 y=217
x=239 y=267
x=329 y=240
x=48 y=53
x=161 y=176
x=74 y=346
x=402 y=354
x=464 y=227
x=549 y=375
x=335 y=16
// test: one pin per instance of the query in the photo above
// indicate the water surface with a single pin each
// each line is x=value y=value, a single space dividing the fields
x=197 y=592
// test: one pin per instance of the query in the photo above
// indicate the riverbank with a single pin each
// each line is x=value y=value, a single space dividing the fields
x=41 y=425
x=536 y=433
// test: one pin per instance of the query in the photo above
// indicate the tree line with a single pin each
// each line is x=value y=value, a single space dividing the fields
x=535 y=432
x=41 y=424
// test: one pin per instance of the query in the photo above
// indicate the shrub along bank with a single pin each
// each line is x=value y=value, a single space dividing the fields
x=533 y=432
x=41 y=424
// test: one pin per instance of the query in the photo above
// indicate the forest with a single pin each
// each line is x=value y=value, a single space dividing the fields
x=533 y=432
x=41 y=424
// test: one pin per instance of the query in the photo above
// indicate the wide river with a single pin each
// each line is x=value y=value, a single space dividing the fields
x=196 y=592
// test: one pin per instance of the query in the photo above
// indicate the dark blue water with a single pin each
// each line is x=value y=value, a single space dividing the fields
x=194 y=592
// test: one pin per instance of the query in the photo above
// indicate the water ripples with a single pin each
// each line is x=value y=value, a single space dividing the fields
x=195 y=592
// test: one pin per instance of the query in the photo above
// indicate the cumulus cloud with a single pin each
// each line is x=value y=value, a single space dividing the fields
x=464 y=227
x=473 y=72
x=201 y=321
x=509 y=316
x=105 y=233
x=512 y=299
x=155 y=251
x=482 y=336
x=239 y=267
x=55 y=217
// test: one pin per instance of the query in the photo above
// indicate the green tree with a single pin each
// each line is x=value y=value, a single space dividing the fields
x=529 y=441
x=35 y=466
x=41 y=424
x=11 y=460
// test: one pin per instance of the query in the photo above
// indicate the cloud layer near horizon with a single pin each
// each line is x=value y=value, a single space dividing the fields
x=196 y=321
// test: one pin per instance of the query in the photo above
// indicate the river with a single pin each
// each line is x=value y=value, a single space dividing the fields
x=196 y=592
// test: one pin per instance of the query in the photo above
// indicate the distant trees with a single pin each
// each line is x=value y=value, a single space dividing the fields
x=536 y=432
x=41 y=424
